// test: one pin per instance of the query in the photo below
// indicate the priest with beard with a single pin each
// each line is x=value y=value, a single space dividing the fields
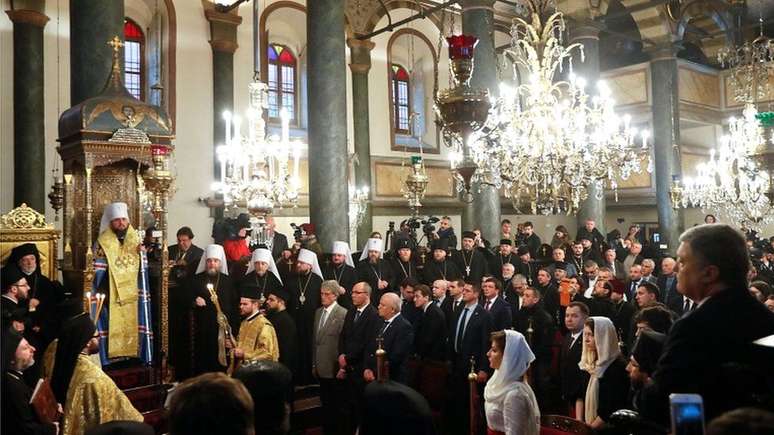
x=403 y=265
x=43 y=295
x=304 y=290
x=262 y=272
x=341 y=269
x=440 y=267
x=210 y=286
x=88 y=395
x=375 y=270
x=470 y=261
x=284 y=327
x=506 y=256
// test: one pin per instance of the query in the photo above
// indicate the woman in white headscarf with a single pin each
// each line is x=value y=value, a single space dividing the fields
x=608 y=385
x=511 y=407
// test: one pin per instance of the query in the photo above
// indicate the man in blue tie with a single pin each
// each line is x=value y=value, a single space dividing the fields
x=469 y=339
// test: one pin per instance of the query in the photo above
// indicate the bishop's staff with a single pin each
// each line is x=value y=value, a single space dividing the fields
x=224 y=328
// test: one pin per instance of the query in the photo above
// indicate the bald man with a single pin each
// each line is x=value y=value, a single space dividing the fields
x=397 y=337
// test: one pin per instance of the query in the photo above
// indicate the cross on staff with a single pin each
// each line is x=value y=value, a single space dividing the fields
x=116 y=43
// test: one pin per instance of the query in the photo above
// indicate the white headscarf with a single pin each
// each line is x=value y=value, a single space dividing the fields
x=516 y=359
x=372 y=245
x=596 y=363
x=309 y=257
x=216 y=252
x=342 y=248
x=263 y=254
x=112 y=211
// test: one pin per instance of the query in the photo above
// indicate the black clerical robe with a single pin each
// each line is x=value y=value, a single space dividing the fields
x=205 y=322
x=402 y=270
x=496 y=264
x=266 y=282
x=446 y=270
x=287 y=339
x=471 y=264
x=304 y=292
x=372 y=273
x=18 y=416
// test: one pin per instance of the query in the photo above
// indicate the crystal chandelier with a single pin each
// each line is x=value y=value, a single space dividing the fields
x=258 y=172
x=732 y=183
x=358 y=204
x=750 y=66
x=549 y=140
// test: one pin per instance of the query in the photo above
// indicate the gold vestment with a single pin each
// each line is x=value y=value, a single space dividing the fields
x=123 y=262
x=258 y=339
x=92 y=399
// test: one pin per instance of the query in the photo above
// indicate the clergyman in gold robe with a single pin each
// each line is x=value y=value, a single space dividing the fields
x=257 y=339
x=89 y=396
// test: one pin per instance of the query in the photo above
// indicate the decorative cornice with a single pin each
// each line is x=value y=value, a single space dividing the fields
x=224 y=46
x=360 y=55
x=214 y=16
x=26 y=16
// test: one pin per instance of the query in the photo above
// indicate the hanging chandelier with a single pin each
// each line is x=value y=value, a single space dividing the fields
x=732 y=183
x=548 y=139
x=415 y=184
x=258 y=172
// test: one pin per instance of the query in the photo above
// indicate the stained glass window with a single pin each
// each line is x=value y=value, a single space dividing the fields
x=281 y=81
x=134 y=65
x=400 y=99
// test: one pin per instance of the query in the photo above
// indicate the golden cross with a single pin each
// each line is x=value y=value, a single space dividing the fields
x=115 y=43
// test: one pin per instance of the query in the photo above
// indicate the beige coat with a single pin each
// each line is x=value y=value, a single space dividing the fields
x=325 y=348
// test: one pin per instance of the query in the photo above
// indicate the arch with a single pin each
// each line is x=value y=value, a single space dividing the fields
x=400 y=4
x=714 y=9
x=390 y=62
x=615 y=49
x=134 y=66
x=264 y=32
x=283 y=57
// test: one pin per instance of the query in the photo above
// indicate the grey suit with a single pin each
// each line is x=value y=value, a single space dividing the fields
x=325 y=348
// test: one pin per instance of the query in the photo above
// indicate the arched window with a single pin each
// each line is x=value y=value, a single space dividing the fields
x=282 y=82
x=401 y=99
x=134 y=54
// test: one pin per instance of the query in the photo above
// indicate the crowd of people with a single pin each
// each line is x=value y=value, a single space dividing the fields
x=579 y=327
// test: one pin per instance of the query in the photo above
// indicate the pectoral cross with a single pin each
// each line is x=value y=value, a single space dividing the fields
x=467 y=270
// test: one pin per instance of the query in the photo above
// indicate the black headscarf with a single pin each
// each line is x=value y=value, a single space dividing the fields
x=392 y=408
x=647 y=350
x=74 y=336
x=11 y=340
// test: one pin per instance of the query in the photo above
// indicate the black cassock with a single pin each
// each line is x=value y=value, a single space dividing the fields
x=205 y=321
x=402 y=270
x=445 y=270
x=346 y=276
x=265 y=283
x=372 y=273
x=304 y=300
x=287 y=339
x=471 y=264
x=18 y=415
x=497 y=262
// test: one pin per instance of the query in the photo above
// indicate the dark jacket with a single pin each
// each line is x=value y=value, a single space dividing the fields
x=613 y=390
x=573 y=379
x=710 y=352
x=541 y=339
x=475 y=260
x=502 y=314
x=355 y=337
x=430 y=334
x=446 y=270
x=18 y=415
x=287 y=339
x=401 y=271
x=497 y=261
x=397 y=342
x=474 y=342
x=372 y=273
x=667 y=294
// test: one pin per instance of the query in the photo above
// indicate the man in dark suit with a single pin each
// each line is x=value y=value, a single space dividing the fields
x=710 y=350
x=573 y=380
x=397 y=339
x=615 y=265
x=533 y=316
x=469 y=340
x=407 y=308
x=359 y=329
x=453 y=304
x=667 y=280
x=279 y=242
x=498 y=309
x=635 y=278
x=430 y=329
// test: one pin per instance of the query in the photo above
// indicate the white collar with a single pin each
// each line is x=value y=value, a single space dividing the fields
x=392 y=318
x=492 y=301
x=363 y=308
x=253 y=316
x=10 y=298
x=575 y=335
x=426 y=306
x=330 y=307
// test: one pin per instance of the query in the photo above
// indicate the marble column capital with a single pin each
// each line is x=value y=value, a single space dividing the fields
x=27 y=16
x=223 y=29
x=665 y=51
x=360 y=55
x=583 y=31
x=469 y=5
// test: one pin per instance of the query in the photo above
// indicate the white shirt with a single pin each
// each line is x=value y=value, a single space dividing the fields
x=389 y=322
x=517 y=414
x=589 y=291
x=326 y=312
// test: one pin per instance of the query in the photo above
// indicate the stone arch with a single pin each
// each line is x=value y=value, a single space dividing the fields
x=390 y=5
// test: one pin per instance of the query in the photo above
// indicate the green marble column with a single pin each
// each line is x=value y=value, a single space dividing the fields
x=29 y=142
x=666 y=141
x=92 y=24
x=593 y=207
x=327 y=89
x=360 y=65
x=478 y=20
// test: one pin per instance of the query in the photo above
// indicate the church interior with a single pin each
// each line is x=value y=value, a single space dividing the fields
x=333 y=120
